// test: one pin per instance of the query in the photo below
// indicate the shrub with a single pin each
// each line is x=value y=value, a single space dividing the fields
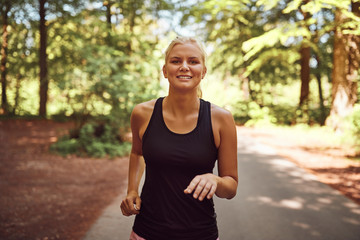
x=65 y=146
x=354 y=125
x=95 y=140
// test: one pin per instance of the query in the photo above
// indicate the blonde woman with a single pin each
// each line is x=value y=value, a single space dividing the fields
x=180 y=137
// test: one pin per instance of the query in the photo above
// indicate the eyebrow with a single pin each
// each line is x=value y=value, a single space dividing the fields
x=180 y=57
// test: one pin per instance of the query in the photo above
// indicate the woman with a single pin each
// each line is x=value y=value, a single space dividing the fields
x=180 y=137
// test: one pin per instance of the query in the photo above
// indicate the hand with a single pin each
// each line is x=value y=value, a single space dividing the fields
x=203 y=186
x=131 y=204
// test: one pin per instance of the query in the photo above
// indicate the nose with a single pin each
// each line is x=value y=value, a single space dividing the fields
x=184 y=67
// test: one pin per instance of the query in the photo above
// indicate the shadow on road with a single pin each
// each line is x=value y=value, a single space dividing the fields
x=278 y=200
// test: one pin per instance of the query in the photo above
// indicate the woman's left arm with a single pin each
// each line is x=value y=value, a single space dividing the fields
x=224 y=185
x=227 y=157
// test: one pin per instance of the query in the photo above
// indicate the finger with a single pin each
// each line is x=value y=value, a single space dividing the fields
x=133 y=209
x=128 y=204
x=192 y=185
x=129 y=208
x=124 y=209
x=125 y=213
x=212 y=192
x=137 y=204
x=199 y=188
x=205 y=191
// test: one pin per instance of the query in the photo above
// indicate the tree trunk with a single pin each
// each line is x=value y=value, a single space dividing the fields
x=4 y=46
x=344 y=75
x=304 y=73
x=321 y=97
x=305 y=64
x=44 y=82
x=108 y=5
x=354 y=57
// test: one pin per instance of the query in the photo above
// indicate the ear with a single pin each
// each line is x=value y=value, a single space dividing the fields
x=203 y=73
x=164 y=71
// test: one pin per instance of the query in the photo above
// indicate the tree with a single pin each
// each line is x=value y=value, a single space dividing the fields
x=305 y=61
x=57 y=8
x=255 y=42
x=5 y=8
x=345 y=74
x=44 y=83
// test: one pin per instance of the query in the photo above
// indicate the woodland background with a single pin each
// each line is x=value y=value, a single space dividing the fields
x=279 y=62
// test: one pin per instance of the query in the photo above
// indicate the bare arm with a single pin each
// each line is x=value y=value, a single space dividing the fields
x=132 y=203
x=224 y=185
x=227 y=158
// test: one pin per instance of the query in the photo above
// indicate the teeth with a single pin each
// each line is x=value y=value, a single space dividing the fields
x=184 y=77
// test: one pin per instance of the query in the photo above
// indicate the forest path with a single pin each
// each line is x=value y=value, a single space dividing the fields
x=276 y=200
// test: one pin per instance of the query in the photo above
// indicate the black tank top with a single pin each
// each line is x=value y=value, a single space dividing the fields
x=172 y=161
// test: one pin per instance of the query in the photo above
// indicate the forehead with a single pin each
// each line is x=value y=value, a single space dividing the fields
x=186 y=50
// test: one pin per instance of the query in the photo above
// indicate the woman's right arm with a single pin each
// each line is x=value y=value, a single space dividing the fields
x=132 y=202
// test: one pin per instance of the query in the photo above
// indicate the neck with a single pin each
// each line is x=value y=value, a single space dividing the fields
x=182 y=104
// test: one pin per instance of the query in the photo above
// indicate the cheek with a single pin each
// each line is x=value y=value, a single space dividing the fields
x=200 y=72
x=171 y=70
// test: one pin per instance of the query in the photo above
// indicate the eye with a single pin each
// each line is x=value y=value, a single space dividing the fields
x=175 y=61
x=194 y=62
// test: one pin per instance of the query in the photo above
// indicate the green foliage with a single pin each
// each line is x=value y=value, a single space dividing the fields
x=354 y=125
x=254 y=114
x=95 y=140
x=100 y=69
x=65 y=146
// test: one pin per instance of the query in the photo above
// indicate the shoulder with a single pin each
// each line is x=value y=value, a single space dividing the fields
x=144 y=108
x=220 y=115
x=223 y=125
x=142 y=111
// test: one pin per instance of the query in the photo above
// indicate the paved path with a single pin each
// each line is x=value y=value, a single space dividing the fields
x=276 y=200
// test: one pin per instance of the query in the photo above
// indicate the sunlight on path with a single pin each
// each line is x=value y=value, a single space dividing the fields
x=276 y=200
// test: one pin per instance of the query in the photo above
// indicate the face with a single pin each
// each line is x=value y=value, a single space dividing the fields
x=184 y=67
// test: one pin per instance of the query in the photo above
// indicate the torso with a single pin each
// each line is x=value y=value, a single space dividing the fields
x=173 y=157
x=176 y=125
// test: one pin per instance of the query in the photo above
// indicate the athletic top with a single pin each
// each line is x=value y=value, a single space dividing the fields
x=172 y=161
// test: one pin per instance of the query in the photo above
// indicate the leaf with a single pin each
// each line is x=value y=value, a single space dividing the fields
x=254 y=45
x=293 y=5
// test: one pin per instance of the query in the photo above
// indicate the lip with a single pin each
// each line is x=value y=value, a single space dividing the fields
x=185 y=77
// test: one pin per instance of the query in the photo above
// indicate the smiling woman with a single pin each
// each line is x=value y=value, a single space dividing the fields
x=185 y=67
x=196 y=60
x=180 y=137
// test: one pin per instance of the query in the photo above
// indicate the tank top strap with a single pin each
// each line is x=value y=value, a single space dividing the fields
x=156 y=117
x=205 y=122
x=157 y=112
x=204 y=113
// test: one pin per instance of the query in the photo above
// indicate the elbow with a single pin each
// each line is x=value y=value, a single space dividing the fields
x=228 y=195
x=229 y=192
x=232 y=194
x=233 y=190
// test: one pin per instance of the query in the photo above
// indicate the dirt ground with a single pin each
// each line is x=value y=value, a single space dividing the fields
x=45 y=196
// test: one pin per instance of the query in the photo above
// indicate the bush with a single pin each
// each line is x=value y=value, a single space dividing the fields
x=95 y=140
x=240 y=112
x=251 y=113
x=354 y=125
x=65 y=146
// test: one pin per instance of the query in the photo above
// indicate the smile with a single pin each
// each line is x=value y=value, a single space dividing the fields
x=184 y=77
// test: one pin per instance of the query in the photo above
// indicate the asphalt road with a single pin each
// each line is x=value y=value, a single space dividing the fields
x=276 y=200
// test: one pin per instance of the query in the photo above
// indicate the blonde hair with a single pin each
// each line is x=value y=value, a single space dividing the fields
x=183 y=40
